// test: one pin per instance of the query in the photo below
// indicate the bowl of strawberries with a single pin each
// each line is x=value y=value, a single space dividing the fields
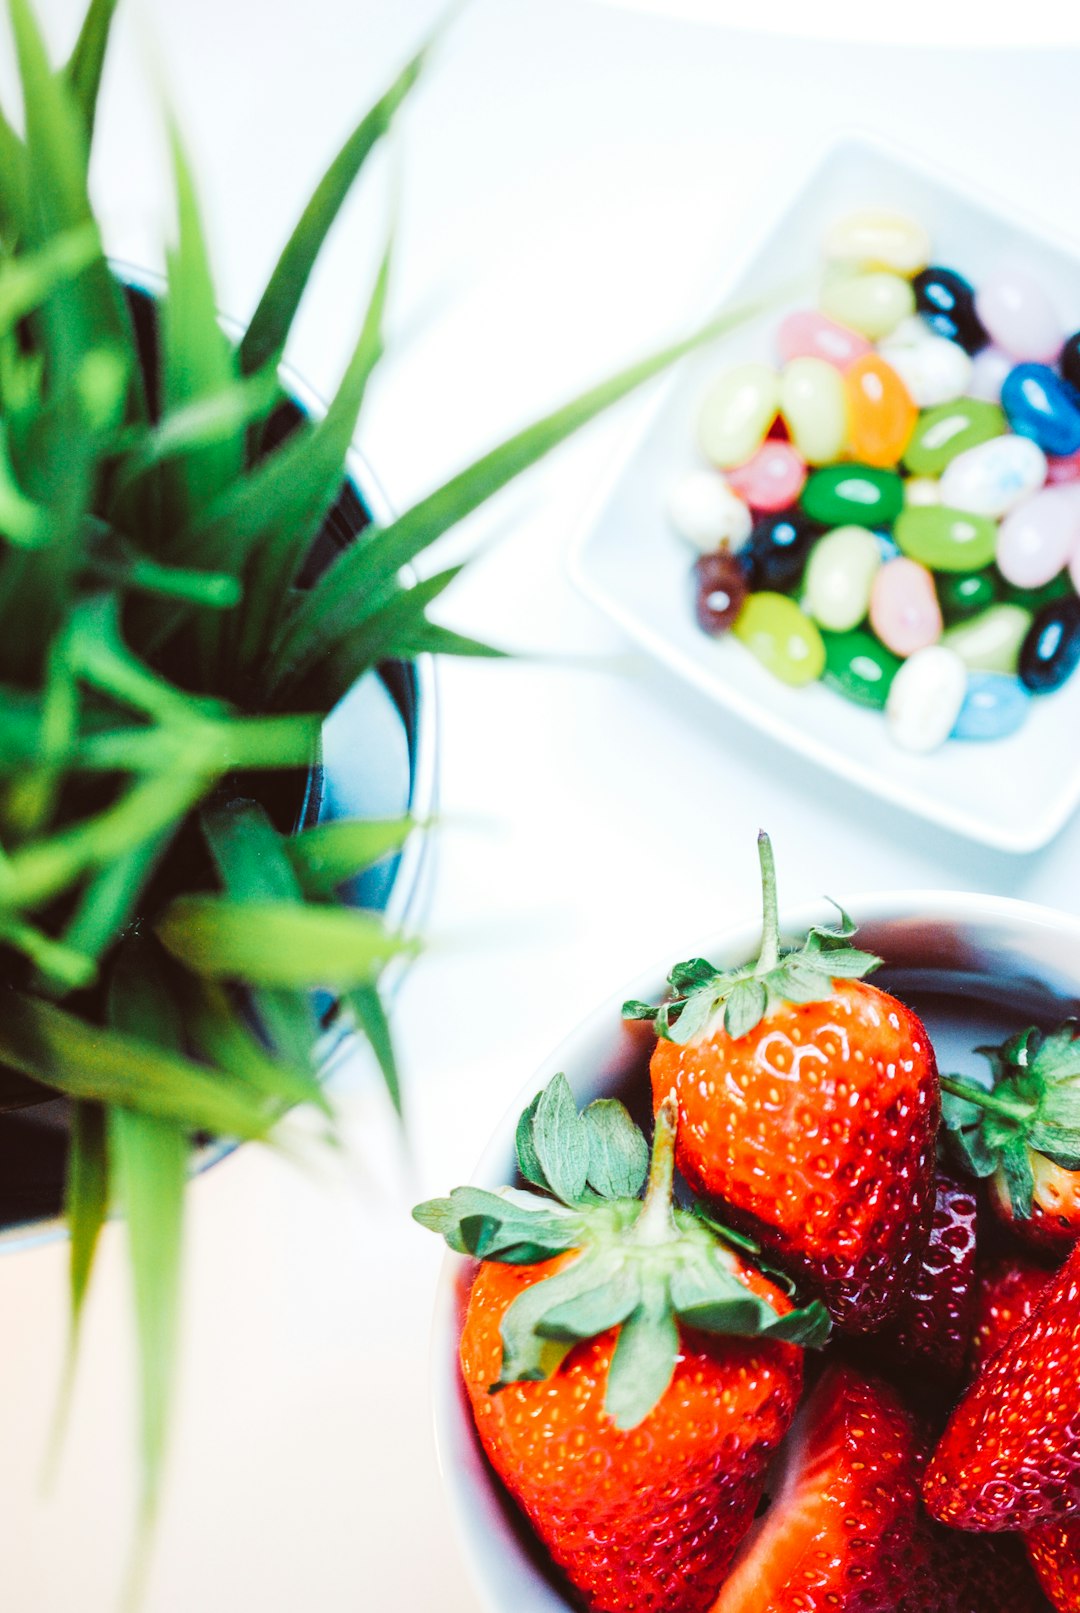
x=765 y=1299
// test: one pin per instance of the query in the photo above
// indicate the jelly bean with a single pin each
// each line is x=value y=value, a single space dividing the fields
x=808 y=334
x=772 y=479
x=1042 y=406
x=946 y=539
x=888 y=548
x=947 y=302
x=1070 y=360
x=858 y=666
x=877 y=239
x=995 y=706
x=1019 y=316
x=994 y=476
x=933 y=369
x=703 y=510
x=1063 y=470
x=926 y=698
x=1037 y=539
x=737 y=413
x=1051 y=650
x=965 y=593
x=988 y=370
x=778 y=548
x=991 y=642
x=839 y=577
x=881 y=414
x=904 y=609
x=813 y=404
x=919 y=491
x=873 y=304
x=948 y=430
x=785 y=641
x=721 y=585
x=862 y=495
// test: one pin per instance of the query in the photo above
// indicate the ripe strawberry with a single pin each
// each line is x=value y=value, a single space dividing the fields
x=843 y=1531
x=1024 y=1134
x=1010 y=1455
x=1006 y=1294
x=978 y=1574
x=629 y=1391
x=937 y=1311
x=808 y=1104
x=1055 y=1553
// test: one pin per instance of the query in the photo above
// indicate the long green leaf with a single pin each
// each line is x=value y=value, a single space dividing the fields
x=87 y=59
x=277 y=943
x=361 y=570
x=67 y=1053
x=265 y=338
x=13 y=183
x=324 y=857
x=215 y=1025
x=367 y=1005
x=86 y=1202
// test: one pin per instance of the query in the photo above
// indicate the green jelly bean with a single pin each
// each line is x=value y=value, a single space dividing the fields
x=1033 y=599
x=859 y=666
x=873 y=303
x=840 y=575
x=853 y=495
x=944 y=539
x=965 y=593
x=950 y=429
x=991 y=642
x=785 y=641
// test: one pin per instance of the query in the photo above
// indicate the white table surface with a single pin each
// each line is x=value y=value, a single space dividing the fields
x=571 y=176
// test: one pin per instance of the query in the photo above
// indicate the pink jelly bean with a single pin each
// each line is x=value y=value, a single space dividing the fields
x=808 y=334
x=772 y=479
x=1019 y=316
x=988 y=370
x=1063 y=470
x=1036 y=540
x=904 y=609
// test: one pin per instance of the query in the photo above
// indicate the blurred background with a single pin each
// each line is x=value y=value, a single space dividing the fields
x=571 y=178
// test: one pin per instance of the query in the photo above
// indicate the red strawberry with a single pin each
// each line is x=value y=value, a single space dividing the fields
x=1006 y=1293
x=1024 y=1134
x=843 y=1532
x=937 y=1311
x=809 y=1106
x=1055 y=1552
x=1010 y=1455
x=609 y=1390
x=979 y=1574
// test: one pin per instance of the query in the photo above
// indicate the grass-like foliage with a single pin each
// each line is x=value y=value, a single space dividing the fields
x=162 y=653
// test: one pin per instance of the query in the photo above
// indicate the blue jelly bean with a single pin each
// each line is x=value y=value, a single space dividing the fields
x=947 y=303
x=887 y=545
x=1040 y=405
x=995 y=706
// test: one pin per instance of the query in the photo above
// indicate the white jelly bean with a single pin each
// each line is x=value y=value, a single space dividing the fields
x=873 y=304
x=703 y=510
x=1037 y=539
x=737 y=413
x=989 y=368
x=1019 y=316
x=933 y=369
x=993 y=477
x=840 y=575
x=875 y=238
x=925 y=698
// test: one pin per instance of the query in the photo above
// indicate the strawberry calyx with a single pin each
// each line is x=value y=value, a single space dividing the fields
x=642 y=1265
x=1032 y=1107
x=802 y=974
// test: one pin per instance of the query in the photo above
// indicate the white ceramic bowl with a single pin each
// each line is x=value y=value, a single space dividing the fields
x=1013 y=793
x=976 y=968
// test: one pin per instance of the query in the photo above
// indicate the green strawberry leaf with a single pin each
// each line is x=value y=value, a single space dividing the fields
x=618 y=1152
x=594 y=1311
x=745 y=1007
x=1019 y=1179
x=526 y=1357
x=811 y=1326
x=560 y=1141
x=643 y=1364
x=491 y=1227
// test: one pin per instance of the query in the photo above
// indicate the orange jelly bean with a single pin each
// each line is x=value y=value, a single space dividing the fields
x=881 y=413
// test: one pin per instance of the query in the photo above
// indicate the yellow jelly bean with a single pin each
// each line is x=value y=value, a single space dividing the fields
x=872 y=303
x=814 y=406
x=877 y=239
x=881 y=414
x=737 y=413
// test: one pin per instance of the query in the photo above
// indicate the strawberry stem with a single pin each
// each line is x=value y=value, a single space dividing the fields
x=656 y=1223
x=1008 y=1108
x=769 y=955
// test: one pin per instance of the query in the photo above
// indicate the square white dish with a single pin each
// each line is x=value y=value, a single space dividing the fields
x=1014 y=794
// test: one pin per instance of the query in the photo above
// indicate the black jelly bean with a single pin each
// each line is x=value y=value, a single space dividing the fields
x=947 y=302
x=1051 y=652
x=1070 y=360
x=777 y=550
x=722 y=586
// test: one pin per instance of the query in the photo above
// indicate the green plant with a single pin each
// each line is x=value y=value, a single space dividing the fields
x=159 y=937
